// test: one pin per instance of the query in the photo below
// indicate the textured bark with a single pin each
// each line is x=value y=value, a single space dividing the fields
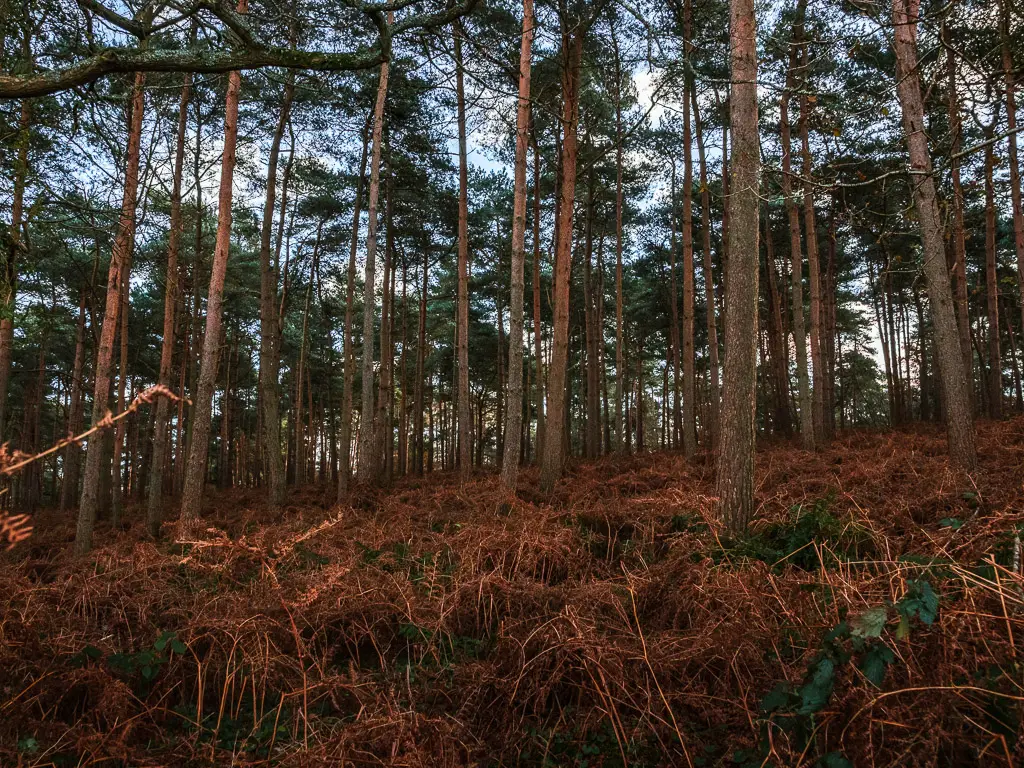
x=368 y=466
x=777 y=336
x=551 y=464
x=736 y=457
x=117 y=275
x=421 y=354
x=73 y=453
x=995 y=364
x=9 y=267
x=117 y=474
x=689 y=423
x=709 y=280
x=804 y=395
x=514 y=411
x=465 y=423
x=957 y=236
x=959 y=425
x=1011 y=130
x=195 y=469
x=813 y=266
x=538 y=353
x=270 y=323
x=161 y=436
x=345 y=459
x=620 y=371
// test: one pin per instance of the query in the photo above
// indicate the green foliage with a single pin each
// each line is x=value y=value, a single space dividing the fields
x=810 y=537
x=140 y=668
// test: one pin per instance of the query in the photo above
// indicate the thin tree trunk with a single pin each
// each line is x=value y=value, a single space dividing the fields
x=551 y=465
x=117 y=275
x=959 y=425
x=959 y=245
x=368 y=468
x=161 y=436
x=739 y=401
x=9 y=268
x=117 y=475
x=1011 y=130
x=344 y=470
x=195 y=470
x=805 y=397
x=538 y=352
x=995 y=364
x=72 y=454
x=465 y=424
x=676 y=423
x=813 y=262
x=709 y=280
x=620 y=371
x=514 y=408
x=689 y=424
x=270 y=323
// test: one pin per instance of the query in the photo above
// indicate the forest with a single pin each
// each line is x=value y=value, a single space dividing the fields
x=494 y=383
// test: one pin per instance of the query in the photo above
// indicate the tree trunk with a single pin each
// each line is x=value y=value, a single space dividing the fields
x=344 y=469
x=73 y=453
x=709 y=279
x=813 y=263
x=995 y=365
x=538 y=351
x=739 y=401
x=959 y=245
x=465 y=423
x=9 y=268
x=514 y=400
x=117 y=474
x=117 y=275
x=270 y=324
x=161 y=436
x=805 y=397
x=1011 y=130
x=957 y=404
x=368 y=468
x=689 y=425
x=195 y=469
x=551 y=466
x=620 y=371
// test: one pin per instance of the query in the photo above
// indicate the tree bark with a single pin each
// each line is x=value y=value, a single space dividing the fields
x=551 y=465
x=1011 y=130
x=344 y=469
x=739 y=402
x=959 y=425
x=804 y=395
x=161 y=436
x=709 y=279
x=117 y=275
x=368 y=467
x=270 y=321
x=995 y=364
x=195 y=469
x=689 y=424
x=538 y=352
x=465 y=423
x=620 y=371
x=514 y=409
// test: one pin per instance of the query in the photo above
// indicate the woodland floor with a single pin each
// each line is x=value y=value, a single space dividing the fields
x=870 y=619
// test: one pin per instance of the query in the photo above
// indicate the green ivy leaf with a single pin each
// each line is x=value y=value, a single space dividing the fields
x=875 y=661
x=870 y=623
x=818 y=688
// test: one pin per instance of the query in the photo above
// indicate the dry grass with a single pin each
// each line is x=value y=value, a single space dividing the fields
x=431 y=625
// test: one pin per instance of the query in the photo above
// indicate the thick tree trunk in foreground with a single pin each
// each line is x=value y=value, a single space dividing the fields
x=736 y=458
x=161 y=435
x=551 y=465
x=117 y=275
x=959 y=425
x=514 y=400
x=195 y=469
x=368 y=462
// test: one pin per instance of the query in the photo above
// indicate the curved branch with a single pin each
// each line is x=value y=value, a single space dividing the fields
x=113 y=60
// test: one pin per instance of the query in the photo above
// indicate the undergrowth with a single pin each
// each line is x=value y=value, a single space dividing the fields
x=866 y=619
